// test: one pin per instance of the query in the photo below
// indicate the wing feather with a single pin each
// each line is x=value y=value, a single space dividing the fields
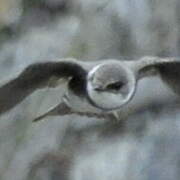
x=148 y=63
x=168 y=68
x=37 y=76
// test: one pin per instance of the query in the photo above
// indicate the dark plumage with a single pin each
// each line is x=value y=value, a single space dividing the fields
x=37 y=76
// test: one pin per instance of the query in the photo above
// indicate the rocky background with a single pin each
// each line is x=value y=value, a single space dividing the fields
x=143 y=146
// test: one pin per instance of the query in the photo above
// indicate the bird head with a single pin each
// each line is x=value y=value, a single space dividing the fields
x=110 y=85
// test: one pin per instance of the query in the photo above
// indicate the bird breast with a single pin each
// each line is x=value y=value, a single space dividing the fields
x=79 y=103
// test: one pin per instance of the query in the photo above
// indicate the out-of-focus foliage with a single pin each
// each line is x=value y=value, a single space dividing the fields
x=146 y=145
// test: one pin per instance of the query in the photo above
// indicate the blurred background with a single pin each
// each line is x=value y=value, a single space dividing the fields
x=144 y=145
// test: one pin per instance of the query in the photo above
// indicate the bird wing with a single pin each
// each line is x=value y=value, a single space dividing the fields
x=37 y=76
x=149 y=65
x=167 y=68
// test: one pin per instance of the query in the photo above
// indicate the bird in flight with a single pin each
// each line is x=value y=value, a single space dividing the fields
x=101 y=88
x=96 y=88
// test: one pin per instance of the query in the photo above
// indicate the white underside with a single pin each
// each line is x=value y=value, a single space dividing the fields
x=79 y=104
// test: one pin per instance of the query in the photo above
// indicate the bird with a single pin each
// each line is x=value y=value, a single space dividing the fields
x=101 y=88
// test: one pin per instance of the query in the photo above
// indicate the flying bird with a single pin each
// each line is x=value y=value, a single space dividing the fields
x=101 y=88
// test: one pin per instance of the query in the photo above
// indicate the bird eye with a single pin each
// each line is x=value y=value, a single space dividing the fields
x=115 y=86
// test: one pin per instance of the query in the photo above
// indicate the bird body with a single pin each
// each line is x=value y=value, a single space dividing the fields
x=110 y=84
x=92 y=94
x=96 y=88
x=79 y=103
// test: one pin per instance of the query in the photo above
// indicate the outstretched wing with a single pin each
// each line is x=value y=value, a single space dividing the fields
x=148 y=62
x=37 y=76
x=168 y=68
